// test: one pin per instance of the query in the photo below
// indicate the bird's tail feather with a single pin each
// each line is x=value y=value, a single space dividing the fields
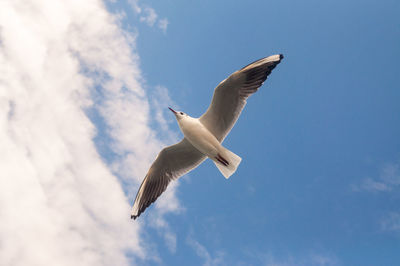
x=227 y=162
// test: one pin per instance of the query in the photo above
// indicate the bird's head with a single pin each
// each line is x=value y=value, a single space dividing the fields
x=179 y=115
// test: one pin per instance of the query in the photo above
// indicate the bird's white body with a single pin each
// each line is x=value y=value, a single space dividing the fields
x=199 y=136
x=205 y=142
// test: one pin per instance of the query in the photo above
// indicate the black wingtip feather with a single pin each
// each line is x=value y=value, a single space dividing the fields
x=274 y=63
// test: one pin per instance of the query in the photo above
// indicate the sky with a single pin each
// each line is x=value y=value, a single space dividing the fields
x=84 y=91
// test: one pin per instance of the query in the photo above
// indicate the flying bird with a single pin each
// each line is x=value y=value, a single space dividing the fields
x=203 y=136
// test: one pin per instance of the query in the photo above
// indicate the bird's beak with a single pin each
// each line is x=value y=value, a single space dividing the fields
x=172 y=110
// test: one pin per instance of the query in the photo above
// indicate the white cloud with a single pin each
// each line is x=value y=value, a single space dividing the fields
x=148 y=15
x=163 y=24
x=170 y=240
x=370 y=184
x=389 y=179
x=135 y=6
x=203 y=253
x=60 y=204
x=391 y=222
x=167 y=203
x=161 y=101
x=308 y=259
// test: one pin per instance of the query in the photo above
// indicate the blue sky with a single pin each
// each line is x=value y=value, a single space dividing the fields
x=84 y=90
x=326 y=121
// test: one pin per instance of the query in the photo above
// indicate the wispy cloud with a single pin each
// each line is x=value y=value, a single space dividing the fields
x=163 y=24
x=308 y=259
x=391 y=222
x=388 y=179
x=149 y=15
x=135 y=6
x=161 y=101
x=202 y=252
x=167 y=203
x=60 y=204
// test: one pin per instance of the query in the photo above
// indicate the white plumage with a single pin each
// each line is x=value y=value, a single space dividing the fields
x=203 y=136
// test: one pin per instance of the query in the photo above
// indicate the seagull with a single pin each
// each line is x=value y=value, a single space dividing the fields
x=203 y=136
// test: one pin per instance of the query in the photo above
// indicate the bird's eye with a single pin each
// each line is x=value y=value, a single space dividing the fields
x=181 y=113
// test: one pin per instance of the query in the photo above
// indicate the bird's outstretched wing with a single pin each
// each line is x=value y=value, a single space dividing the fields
x=171 y=163
x=231 y=94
